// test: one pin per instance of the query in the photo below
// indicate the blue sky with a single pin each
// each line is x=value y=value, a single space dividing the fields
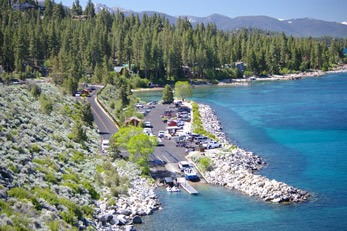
x=329 y=10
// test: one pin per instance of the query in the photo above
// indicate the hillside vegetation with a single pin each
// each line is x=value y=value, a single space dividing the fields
x=51 y=174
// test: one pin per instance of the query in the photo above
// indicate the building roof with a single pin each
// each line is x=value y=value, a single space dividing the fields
x=132 y=118
x=118 y=68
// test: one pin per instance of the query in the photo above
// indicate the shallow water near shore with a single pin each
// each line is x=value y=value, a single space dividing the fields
x=300 y=129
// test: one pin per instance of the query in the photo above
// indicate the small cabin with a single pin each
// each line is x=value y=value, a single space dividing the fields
x=133 y=121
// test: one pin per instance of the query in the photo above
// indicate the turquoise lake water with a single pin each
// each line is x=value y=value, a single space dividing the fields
x=300 y=129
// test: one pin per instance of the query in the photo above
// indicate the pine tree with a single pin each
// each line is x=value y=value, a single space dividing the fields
x=167 y=94
x=76 y=8
x=89 y=10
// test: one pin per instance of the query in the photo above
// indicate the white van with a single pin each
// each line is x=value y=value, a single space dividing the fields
x=105 y=145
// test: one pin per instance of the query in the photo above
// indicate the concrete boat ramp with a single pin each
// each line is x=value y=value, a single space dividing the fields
x=170 y=170
x=186 y=186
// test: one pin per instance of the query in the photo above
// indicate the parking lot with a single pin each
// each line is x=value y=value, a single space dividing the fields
x=168 y=153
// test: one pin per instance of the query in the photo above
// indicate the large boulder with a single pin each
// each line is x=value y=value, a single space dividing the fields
x=137 y=220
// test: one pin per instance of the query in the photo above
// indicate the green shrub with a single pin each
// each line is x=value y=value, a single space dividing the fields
x=46 y=104
x=34 y=148
x=111 y=202
x=4 y=208
x=19 y=193
x=77 y=157
x=62 y=158
x=117 y=190
x=53 y=225
x=36 y=204
x=69 y=217
x=7 y=228
x=35 y=90
x=87 y=210
x=20 y=223
x=99 y=180
x=204 y=163
x=40 y=162
x=107 y=166
x=72 y=177
x=139 y=82
x=46 y=194
x=9 y=137
x=72 y=206
x=13 y=168
x=112 y=179
x=99 y=169
x=92 y=192
x=78 y=134
x=22 y=193
x=51 y=178
x=73 y=186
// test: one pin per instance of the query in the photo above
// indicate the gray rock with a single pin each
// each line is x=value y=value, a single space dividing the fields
x=109 y=217
x=137 y=220
x=103 y=206
x=103 y=218
x=122 y=219
x=3 y=193
x=115 y=221
x=126 y=212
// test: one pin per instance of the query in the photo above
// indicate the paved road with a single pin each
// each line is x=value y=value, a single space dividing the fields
x=106 y=126
x=168 y=153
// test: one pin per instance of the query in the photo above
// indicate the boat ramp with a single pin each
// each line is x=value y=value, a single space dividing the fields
x=186 y=186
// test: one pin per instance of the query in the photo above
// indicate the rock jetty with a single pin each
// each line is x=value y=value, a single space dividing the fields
x=234 y=167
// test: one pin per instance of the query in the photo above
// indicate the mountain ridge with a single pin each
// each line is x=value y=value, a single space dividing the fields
x=298 y=27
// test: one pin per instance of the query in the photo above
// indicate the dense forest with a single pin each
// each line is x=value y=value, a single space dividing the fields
x=79 y=48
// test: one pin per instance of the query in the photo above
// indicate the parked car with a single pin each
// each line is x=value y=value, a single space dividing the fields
x=212 y=144
x=105 y=145
x=147 y=124
x=182 y=165
x=161 y=134
x=152 y=103
x=199 y=139
x=78 y=94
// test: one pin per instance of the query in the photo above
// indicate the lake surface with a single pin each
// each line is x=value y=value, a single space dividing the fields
x=300 y=129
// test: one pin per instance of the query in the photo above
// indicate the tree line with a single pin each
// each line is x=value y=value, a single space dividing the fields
x=85 y=50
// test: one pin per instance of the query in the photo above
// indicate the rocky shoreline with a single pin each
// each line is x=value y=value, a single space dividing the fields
x=234 y=167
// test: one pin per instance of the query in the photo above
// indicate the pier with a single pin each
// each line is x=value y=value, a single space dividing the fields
x=186 y=186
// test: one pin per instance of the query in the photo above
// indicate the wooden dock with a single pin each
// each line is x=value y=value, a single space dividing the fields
x=186 y=186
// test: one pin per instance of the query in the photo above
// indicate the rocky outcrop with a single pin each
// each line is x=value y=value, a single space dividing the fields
x=233 y=167
x=127 y=209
